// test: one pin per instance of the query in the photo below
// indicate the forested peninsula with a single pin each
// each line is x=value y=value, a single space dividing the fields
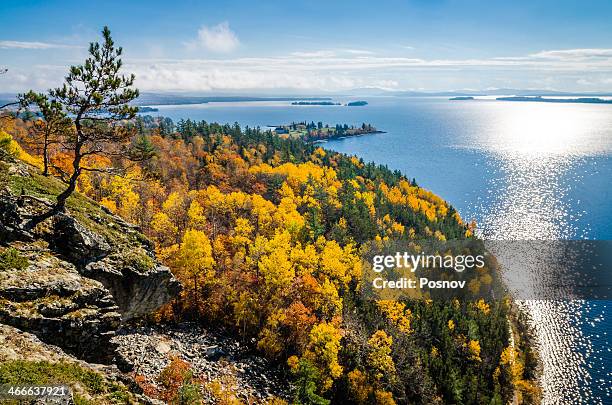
x=311 y=132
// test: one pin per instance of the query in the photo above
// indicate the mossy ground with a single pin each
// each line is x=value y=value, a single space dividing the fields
x=138 y=259
x=88 y=213
x=85 y=210
x=89 y=387
x=4 y=177
x=11 y=259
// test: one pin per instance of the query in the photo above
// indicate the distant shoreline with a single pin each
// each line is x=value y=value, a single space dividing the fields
x=314 y=103
x=540 y=99
x=359 y=103
x=185 y=100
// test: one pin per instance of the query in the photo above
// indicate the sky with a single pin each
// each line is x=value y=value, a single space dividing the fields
x=315 y=47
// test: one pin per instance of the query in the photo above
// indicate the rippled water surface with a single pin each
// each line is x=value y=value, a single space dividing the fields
x=524 y=171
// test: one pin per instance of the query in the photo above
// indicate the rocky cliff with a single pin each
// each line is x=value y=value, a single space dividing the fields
x=75 y=278
x=23 y=355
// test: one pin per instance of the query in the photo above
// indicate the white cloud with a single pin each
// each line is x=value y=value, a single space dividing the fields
x=575 y=54
x=246 y=74
x=37 y=77
x=314 y=54
x=330 y=53
x=337 y=70
x=333 y=71
x=219 y=38
x=358 y=52
x=32 y=45
x=386 y=84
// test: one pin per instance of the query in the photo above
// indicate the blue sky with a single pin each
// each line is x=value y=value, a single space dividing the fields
x=301 y=46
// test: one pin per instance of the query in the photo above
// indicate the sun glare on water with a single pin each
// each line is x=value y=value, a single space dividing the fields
x=535 y=148
x=533 y=130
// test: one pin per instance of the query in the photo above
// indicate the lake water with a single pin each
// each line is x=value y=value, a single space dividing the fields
x=523 y=171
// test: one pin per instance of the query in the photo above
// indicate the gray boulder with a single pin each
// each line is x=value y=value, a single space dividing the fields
x=76 y=242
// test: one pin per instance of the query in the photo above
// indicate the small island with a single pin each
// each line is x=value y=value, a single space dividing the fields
x=314 y=103
x=583 y=100
x=461 y=98
x=328 y=103
x=147 y=109
x=318 y=132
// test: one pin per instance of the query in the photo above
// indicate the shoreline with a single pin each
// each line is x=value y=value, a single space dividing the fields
x=344 y=137
x=540 y=99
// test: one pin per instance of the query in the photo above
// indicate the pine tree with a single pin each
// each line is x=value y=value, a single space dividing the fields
x=96 y=96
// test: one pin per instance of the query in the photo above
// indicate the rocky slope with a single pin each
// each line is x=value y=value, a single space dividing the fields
x=146 y=351
x=83 y=273
x=71 y=290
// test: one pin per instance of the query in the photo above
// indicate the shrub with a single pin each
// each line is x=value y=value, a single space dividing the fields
x=11 y=259
x=139 y=260
x=173 y=378
x=9 y=149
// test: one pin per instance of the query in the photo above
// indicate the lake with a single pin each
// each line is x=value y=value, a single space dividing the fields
x=523 y=171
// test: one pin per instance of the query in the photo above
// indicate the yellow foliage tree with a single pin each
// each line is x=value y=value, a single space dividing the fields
x=397 y=313
x=383 y=398
x=194 y=262
x=358 y=386
x=195 y=215
x=163 y=230
x=322 y=351
x=379 y=356
x=473 y=347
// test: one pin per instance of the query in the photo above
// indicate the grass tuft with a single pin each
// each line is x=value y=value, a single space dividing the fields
x=11 y=259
